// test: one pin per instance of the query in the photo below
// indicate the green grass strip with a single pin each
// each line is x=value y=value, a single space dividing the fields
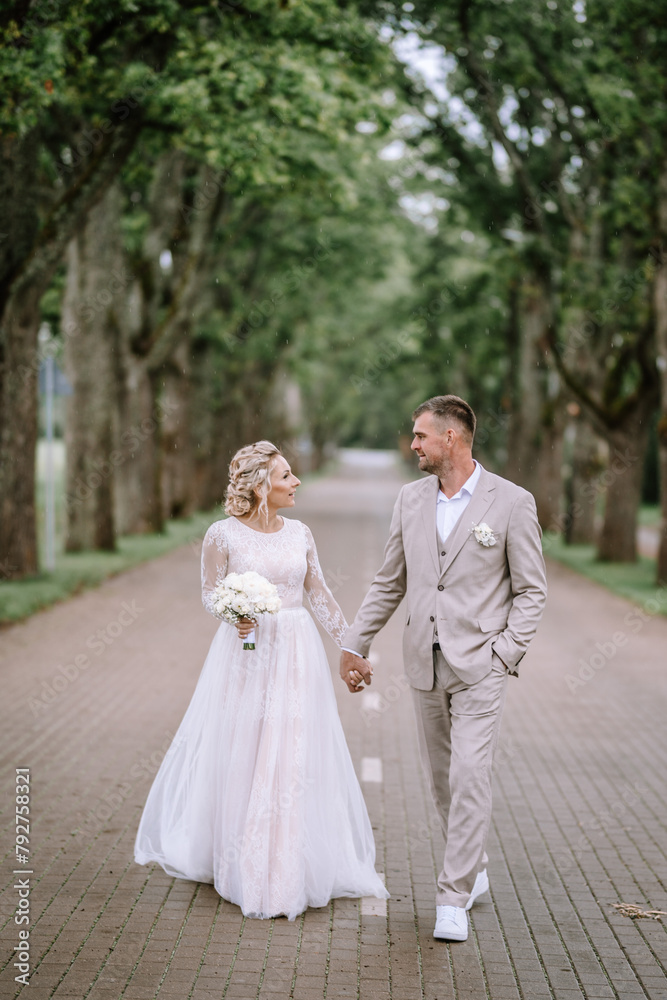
x=634 y=581
x=77 y=571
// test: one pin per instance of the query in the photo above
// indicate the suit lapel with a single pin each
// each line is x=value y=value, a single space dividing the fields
x=428 y=507
x=474 y=513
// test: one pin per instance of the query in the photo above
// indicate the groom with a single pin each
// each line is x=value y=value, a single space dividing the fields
x=464 y=550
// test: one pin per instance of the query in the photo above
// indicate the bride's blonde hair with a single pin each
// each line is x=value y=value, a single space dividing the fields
x=250 y=471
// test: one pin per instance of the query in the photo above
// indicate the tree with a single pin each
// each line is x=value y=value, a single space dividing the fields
x=235 y=87
x=534 y=126
x=90 y=315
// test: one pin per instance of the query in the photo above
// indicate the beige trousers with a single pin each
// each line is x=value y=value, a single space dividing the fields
x=458 y=726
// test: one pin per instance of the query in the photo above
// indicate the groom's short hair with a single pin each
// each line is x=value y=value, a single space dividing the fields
x=450 y=409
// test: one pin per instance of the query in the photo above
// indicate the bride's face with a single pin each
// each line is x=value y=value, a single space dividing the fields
x=283 y=484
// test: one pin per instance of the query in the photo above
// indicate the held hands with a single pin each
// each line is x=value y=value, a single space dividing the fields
x=354 y=669
x=244 y=626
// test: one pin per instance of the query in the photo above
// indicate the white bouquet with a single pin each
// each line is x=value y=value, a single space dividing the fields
x=246 y=595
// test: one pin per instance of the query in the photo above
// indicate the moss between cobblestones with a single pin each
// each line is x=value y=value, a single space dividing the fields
x=77 y=571
x=635 y=581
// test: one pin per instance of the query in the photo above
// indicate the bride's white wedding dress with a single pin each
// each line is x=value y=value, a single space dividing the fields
x=257 y=793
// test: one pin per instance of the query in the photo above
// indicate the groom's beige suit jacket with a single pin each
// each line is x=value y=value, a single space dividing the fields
x=471 y=598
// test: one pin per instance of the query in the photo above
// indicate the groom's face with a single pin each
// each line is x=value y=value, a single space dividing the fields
x=432 y=443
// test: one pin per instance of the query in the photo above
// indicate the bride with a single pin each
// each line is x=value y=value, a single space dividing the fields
x=257 y=793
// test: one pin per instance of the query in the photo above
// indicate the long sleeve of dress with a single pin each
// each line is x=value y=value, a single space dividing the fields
x=325 y=606
x=214 y=557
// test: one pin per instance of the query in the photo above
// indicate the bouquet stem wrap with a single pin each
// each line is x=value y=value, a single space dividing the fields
x=249 y=641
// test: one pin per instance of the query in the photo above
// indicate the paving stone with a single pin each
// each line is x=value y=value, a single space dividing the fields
x=579 y=810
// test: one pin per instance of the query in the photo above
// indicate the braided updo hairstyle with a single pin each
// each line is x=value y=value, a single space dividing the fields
x=250 y=470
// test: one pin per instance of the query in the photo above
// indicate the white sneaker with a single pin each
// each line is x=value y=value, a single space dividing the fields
x=480 y=887
x=451 y=923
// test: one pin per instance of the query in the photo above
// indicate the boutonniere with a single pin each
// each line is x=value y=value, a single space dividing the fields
x=483 y=534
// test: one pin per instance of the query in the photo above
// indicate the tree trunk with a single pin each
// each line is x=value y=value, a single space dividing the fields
x=547 y=485
x=534 y=446
x=95 y=280
x=18 y=437
x=178 y=495
x=229 y=411
x=204 y=375
x=139 y=415
x=162 y=307
x=623 y=482
x=28 y=261
x=661 y=577
x=19 y=360
x=660 y=311
x=587 y=467
x=224 y=435
x=227 y=439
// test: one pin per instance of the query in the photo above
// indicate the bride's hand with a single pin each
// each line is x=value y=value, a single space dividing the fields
x=354 y=669
x=245 y=626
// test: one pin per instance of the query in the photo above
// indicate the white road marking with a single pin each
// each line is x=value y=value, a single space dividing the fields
x=371 y=769
x=371 y=701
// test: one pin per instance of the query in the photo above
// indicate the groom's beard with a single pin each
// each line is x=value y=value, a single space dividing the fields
x=432 y=468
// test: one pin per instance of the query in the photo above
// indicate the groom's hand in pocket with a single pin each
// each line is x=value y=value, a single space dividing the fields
x=354 y=669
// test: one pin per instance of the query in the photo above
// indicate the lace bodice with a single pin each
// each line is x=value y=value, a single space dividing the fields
x=287 y=558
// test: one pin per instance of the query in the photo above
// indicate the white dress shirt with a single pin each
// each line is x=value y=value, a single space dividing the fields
x=449 y=509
